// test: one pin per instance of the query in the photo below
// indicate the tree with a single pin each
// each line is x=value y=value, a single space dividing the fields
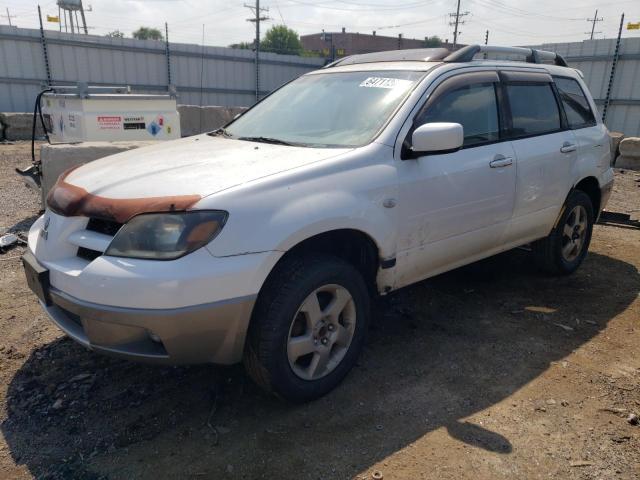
x=115 y=34
x=280 y=39
x=148 y=33
x=434 y=41
x=242 y=45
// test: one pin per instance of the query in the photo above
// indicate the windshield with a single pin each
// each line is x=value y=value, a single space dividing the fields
x=327 y=110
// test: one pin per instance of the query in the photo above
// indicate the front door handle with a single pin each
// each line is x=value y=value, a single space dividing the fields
x=500 y=161
x=568 y=147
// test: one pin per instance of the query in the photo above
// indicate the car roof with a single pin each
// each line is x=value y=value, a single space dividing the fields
x=361 y=67
x=423 y=59
x=426 y=66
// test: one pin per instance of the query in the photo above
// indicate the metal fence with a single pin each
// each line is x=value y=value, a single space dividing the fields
x=225 y=76
x=594 y=58
x=202 y=75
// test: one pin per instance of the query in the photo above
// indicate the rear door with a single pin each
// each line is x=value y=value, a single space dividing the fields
x=545 y=150
x=593 y=141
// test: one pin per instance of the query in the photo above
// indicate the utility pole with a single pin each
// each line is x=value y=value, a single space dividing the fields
x=456 y=23
x=593 y=21
x=257 y=19
x=9 y=17
x=84 y=21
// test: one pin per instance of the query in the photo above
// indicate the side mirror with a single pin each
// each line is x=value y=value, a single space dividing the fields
x=437 y=137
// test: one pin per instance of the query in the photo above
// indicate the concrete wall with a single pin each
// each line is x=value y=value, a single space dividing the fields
x=18 y=126
x=195 y=119
x=202 y=75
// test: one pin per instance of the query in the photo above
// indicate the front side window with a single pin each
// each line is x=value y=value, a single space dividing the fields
x=344 y=109
x=534 y=110
x=472 y=106
x=575 y=104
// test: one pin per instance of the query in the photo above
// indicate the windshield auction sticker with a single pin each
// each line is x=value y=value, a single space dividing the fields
x=382 y=82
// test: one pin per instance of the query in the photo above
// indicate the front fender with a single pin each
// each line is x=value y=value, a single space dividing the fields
x=326 y=212
x=278 y=213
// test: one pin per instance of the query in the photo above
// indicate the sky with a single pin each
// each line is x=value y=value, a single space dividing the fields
x=515 y=22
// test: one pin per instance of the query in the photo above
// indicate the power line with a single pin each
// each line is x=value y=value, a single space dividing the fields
x=368 y=7
x=593 y=21
x=520 y=12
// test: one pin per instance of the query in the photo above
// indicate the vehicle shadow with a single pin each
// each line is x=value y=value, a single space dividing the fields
x=438 y=352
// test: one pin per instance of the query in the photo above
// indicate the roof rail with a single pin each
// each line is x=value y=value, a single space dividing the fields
x=412 y=54
x=531 y=55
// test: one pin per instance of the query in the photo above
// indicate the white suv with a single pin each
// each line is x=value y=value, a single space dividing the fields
x=265 y=241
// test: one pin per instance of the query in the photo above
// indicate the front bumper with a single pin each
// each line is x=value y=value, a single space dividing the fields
x=209 y=333
x=195 y=309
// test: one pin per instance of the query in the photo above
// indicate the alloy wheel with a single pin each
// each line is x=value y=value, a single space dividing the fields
x=321 y=332
x=574 y=233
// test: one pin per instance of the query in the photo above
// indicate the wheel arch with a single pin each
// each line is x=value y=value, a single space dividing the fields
x=352 y=245
x=591 y=187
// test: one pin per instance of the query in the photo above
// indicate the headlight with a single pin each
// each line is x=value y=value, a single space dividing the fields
x=166 y=236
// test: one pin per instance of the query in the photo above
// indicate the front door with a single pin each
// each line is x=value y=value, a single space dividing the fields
x=455 y=207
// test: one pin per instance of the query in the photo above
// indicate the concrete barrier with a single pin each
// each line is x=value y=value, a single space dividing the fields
x=17 y=126
x=195 y=119
x=630 y=147
x=614 y=139
x=628 y=163
x=58 y=158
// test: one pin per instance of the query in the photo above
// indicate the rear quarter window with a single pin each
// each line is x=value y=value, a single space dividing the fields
x=575 y=103
x=534 y=109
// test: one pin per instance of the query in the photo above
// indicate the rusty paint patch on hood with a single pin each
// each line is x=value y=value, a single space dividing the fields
x=70 y=201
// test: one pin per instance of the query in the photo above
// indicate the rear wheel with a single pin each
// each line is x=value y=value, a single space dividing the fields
x=308 y=327
x=565 y=248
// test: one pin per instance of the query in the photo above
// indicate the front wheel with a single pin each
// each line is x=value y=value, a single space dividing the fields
x=308 y=327
x=565 y=248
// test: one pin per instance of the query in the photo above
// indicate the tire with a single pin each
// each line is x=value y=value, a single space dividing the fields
x=560 y=254
x=286 y=324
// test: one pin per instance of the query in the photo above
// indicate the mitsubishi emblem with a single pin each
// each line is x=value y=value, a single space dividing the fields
x=44 y=233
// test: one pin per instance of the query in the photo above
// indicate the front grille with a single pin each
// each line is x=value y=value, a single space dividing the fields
x=98 y=225
x=108 y=227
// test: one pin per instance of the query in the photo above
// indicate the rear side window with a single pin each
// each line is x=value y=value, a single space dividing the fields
x=575 y=104
x=473 y=106
x=534 y=110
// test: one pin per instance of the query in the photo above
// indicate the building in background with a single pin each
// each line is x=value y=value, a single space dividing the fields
x=340 y=44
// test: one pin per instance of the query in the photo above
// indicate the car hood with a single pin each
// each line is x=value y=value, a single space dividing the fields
x=195 y=166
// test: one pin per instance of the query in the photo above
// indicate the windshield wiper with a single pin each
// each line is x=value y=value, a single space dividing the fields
x=219 y=131
x=274 y=141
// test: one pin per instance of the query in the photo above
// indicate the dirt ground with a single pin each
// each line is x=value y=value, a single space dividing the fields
x=491 y=371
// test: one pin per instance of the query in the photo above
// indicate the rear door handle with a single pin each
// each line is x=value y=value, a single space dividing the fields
x=500 y=161
x=568 y=147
